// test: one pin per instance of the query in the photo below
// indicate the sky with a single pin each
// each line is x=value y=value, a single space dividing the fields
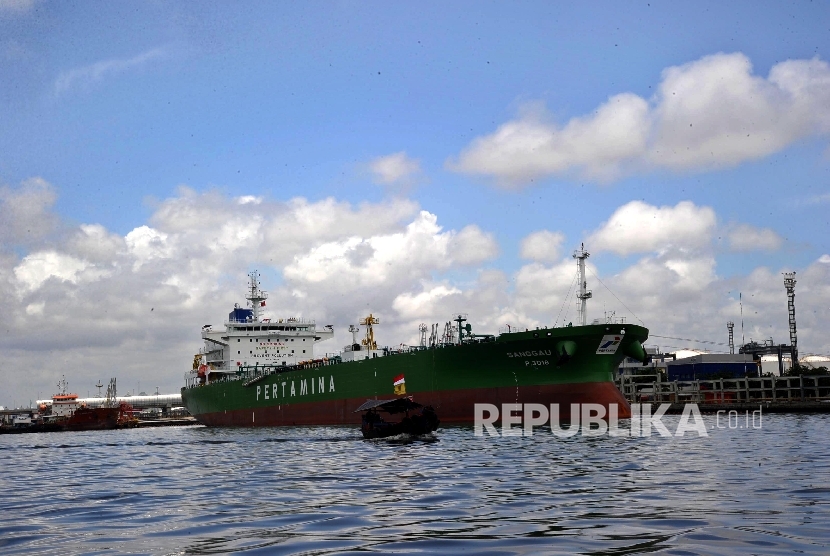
x=408 y=159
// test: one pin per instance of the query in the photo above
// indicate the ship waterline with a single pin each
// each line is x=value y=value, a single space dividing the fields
x=455 y=407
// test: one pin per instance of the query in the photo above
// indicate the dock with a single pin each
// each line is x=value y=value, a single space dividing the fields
x=7 y=425
x=774 y=394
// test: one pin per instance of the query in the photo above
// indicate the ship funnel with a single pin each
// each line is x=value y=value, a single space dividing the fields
x=635 y=350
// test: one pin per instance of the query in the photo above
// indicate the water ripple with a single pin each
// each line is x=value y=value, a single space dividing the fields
x=324 y=490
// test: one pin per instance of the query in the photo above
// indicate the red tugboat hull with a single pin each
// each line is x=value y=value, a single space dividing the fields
x=93 y=418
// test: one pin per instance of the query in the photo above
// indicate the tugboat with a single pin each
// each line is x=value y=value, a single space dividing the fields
x=374 y=426
x=68 y=414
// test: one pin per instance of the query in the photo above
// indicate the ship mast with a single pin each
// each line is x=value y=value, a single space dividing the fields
x=584 y=294
x=256 y=296
x=62 y=385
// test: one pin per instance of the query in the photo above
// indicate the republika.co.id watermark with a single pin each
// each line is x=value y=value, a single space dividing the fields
x=592 y=419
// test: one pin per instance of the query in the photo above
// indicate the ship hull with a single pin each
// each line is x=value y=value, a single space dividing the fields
x=92 y=418
x=550 y=366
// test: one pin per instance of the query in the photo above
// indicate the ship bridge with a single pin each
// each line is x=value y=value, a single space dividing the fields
x=249 y=339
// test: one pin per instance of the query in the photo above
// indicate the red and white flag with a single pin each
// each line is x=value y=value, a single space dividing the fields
x=400 y=385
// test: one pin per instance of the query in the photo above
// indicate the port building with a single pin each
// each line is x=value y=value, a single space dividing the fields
x=707 y=366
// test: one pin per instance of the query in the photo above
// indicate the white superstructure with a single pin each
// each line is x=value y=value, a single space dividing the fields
x=250 y=340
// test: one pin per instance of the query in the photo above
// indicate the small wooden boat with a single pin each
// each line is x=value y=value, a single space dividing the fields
x=417 y=419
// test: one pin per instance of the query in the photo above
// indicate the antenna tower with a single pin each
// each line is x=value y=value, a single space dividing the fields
x=731 y=325
x=789 y=284
x=422 y=328
x=584 y=295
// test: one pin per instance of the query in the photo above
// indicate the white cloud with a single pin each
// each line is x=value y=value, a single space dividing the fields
x=748 y=238
x=819 y=199
x=824 y=259
x=542 y=246
x=36 y=268
x=98 y=71
x=145 y=244
x=710 y=113
x=531 y=147
x=396 y=169
x=409 y=254
x=692 y=274
x=638 y=227
x=472 y=246
x=542 y=290
x=25 y=212
x=426 y=303
x=249 y=200
x=17 y=6
x=94 y=243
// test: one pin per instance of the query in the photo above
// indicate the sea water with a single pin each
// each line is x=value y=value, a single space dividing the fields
x=325 y=490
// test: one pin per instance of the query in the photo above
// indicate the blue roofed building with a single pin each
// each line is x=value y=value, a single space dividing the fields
x=707 y=366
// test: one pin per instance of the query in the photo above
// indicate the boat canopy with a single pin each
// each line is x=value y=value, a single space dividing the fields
x=398 y=405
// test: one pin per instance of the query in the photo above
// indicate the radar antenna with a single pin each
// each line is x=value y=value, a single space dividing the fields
x=461 y=319
x=255 y=295
x=354 y=329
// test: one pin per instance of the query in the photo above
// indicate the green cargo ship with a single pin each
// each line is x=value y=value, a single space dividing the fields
x=260 y=372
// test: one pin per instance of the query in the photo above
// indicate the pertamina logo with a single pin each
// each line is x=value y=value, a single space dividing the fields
x=609 y=344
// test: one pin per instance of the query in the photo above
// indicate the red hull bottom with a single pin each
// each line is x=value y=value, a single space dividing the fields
x=452 y=406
